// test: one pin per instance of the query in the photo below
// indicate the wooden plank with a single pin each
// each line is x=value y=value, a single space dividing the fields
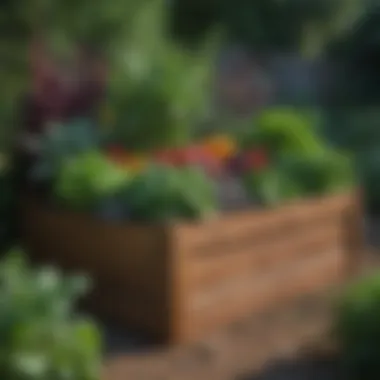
x=258 y=295
x=129 y=264
x=275 y=252
x=102 y=249
x=265 y=222
x=183 y=281
x=250 y=282
x=142 y=311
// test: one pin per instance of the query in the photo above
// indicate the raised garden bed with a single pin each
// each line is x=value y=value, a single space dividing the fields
x=181 y=282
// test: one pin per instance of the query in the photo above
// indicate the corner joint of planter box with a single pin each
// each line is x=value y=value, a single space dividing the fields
x=176 y=284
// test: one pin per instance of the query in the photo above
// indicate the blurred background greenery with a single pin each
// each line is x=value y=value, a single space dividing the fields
x=342 y=33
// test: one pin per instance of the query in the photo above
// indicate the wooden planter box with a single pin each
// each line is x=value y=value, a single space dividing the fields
x=181 y=282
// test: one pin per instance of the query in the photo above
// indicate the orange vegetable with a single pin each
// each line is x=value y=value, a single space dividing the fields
x=221 y=146
x=168 y=156
x=124 y=159
x=136 y=163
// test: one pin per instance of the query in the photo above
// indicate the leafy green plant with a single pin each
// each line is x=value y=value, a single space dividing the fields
x=358 y=331
x=62 y=25
x=85 y=180
x=271 y=187
x=282 y=130
x=302 y=162
x=39 y=338
x=297 y=176
x=320 y=174
x=163 y=193
x=62 y=142
x=161 y=90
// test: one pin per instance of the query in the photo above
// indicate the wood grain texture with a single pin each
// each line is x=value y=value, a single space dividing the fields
x=184 y=281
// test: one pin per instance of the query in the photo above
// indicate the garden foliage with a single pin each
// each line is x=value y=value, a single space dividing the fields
x=161 y=92
x=353 y=114
x=62 y=24
x=357 y=130
x=358 y=329
x=157 y=98
x=286 y=25
x=39 y=337
x=301 y=162
x=278 y=157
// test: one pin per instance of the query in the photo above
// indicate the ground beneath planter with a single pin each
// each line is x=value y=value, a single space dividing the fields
x=288 y=344
x=299 y=369
x=243 y=352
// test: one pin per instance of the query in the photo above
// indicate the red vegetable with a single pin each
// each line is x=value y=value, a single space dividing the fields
x=258 y=159
x=179 y=157
x=168 y=157
x=193 y=155
x=62 y=92
x=116 y=150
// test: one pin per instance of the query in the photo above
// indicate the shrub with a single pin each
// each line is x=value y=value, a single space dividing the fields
x=161 y=92
x=357 y=130
x=39 y=338
x=358 y=329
